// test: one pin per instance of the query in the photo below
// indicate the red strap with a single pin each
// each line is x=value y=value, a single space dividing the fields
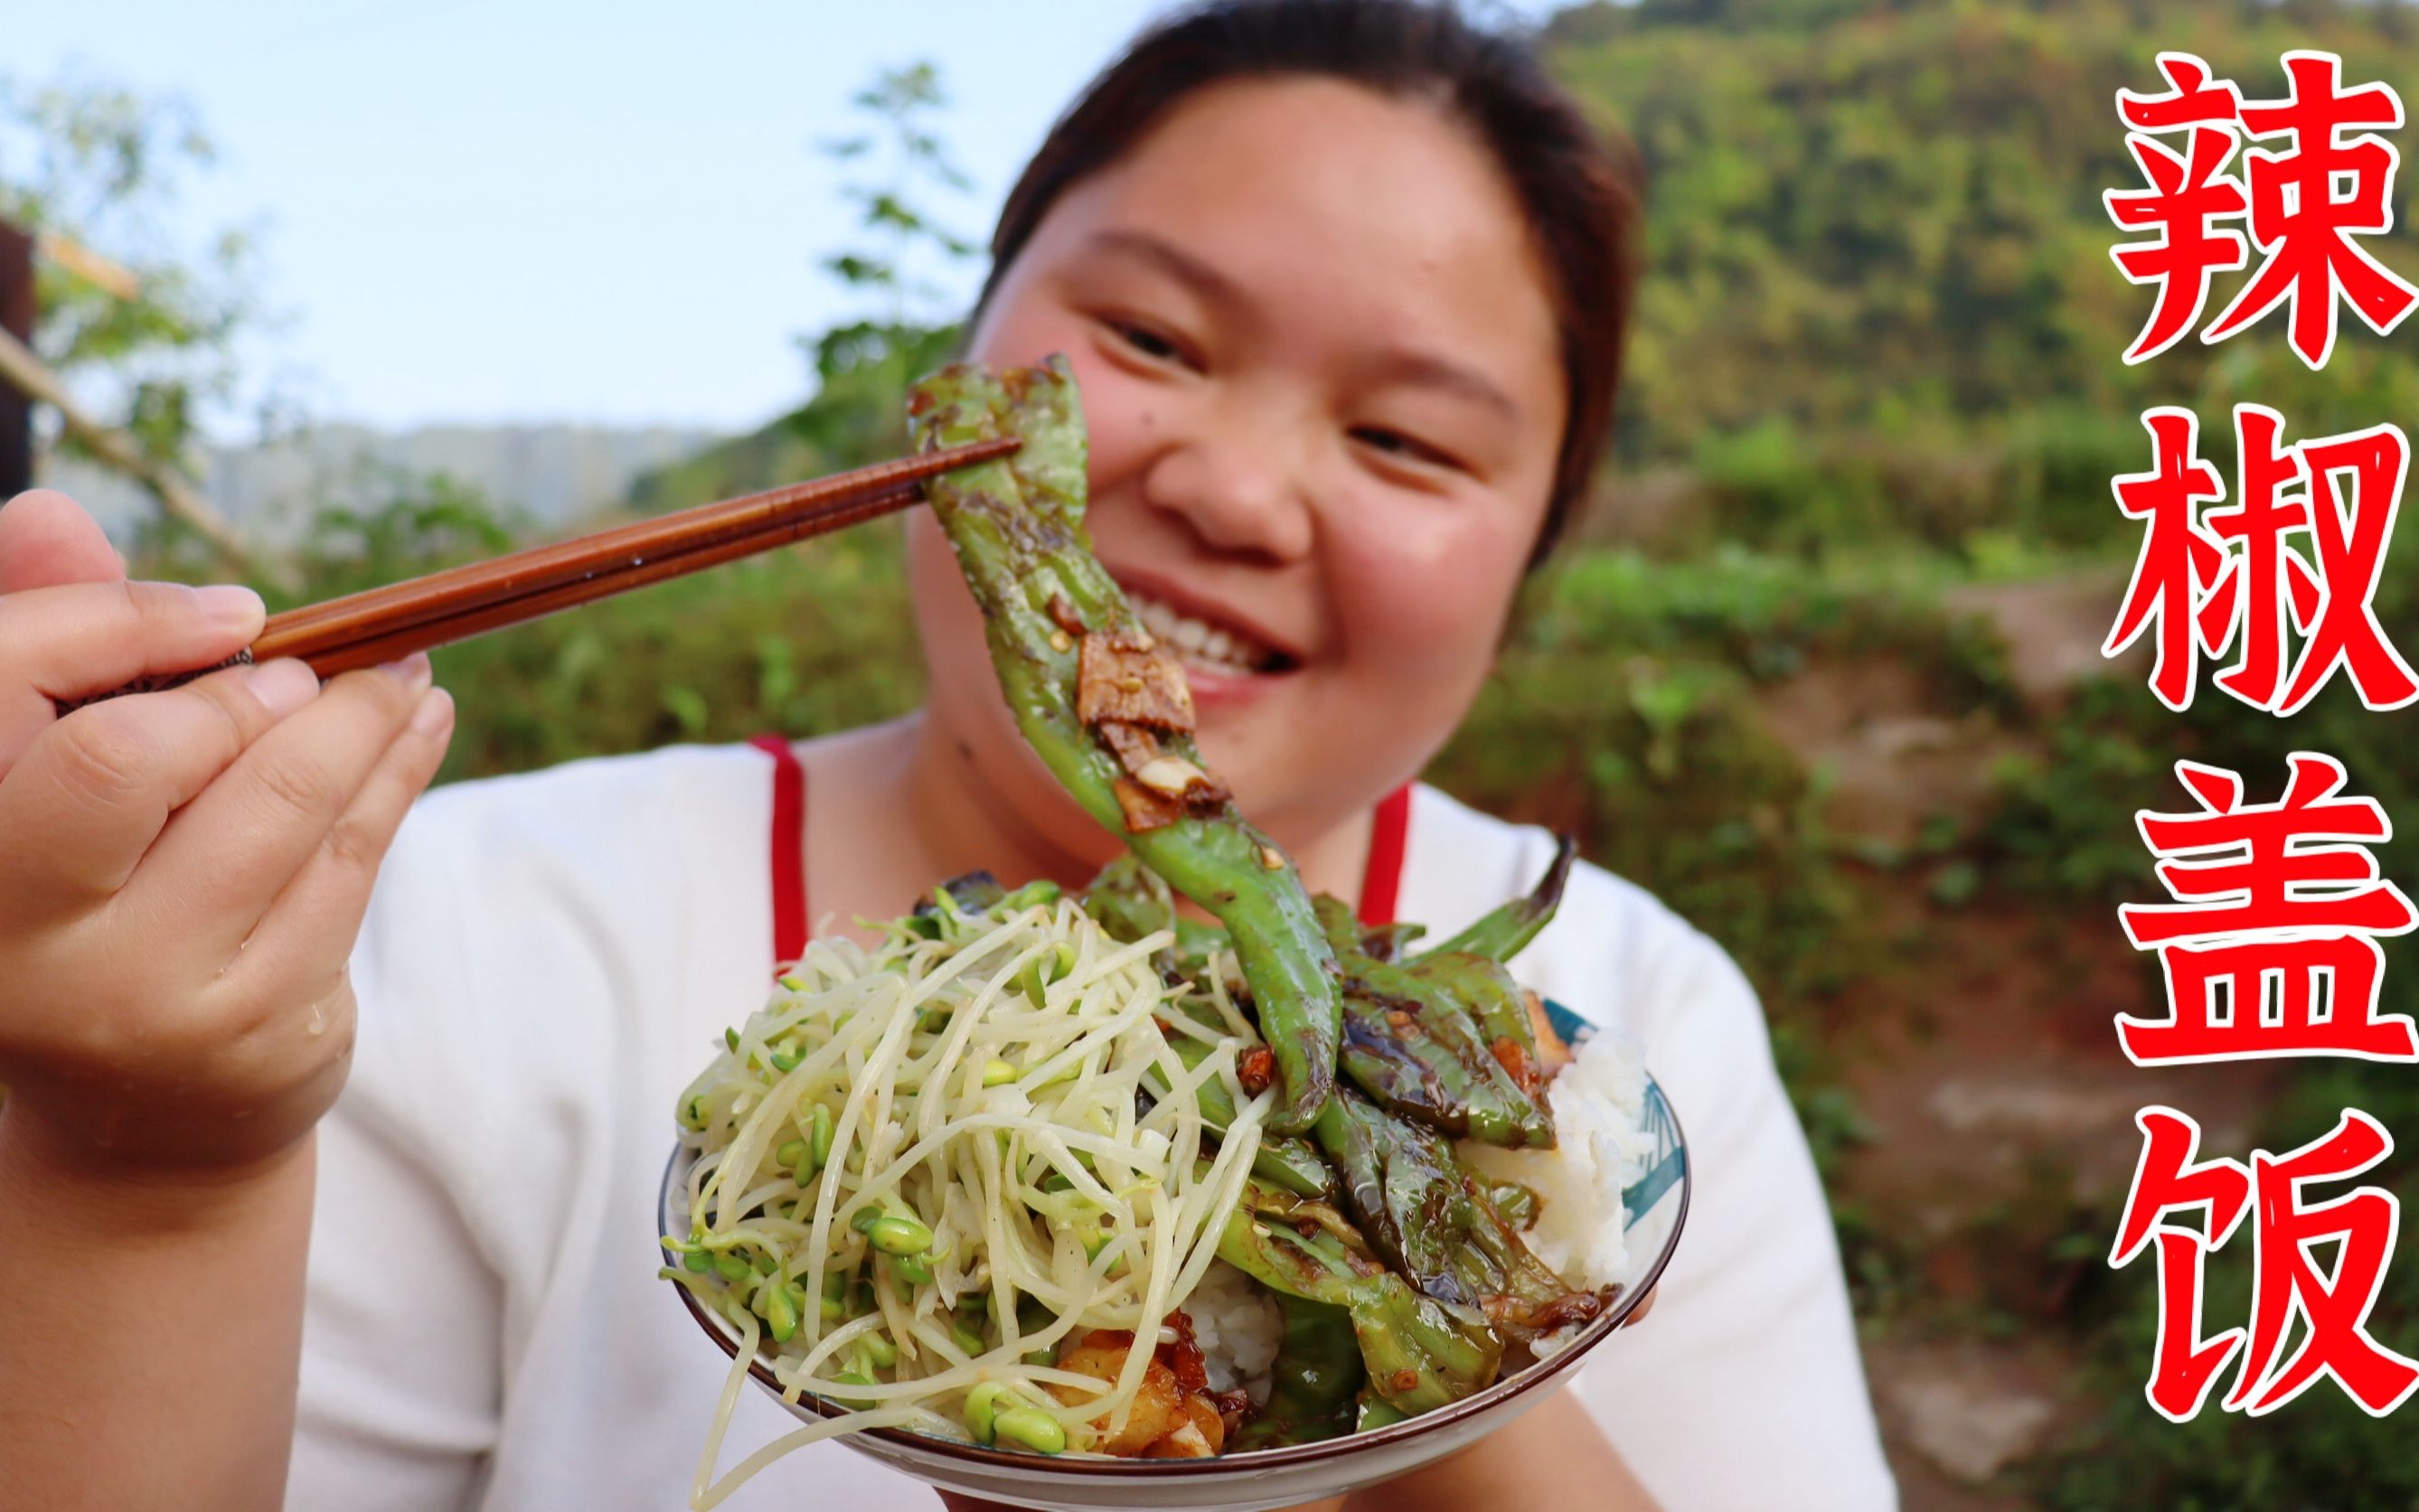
x=789 y=850
x=1383 y=879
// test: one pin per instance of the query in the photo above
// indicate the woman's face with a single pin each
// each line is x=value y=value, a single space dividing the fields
x=1320 y=373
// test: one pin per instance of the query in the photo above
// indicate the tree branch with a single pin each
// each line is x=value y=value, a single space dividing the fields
x=21 y=369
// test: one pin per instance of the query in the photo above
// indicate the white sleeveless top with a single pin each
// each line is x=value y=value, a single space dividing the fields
x=549 y=959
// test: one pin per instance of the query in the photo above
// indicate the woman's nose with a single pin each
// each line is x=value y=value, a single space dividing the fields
x=1238 y=495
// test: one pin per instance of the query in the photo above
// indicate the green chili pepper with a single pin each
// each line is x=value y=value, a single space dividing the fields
x=1502 y=935
x=1427 y=1039
x=1292 y=1163
x=1040 y=890
x=1438 y=1224
x=1017 y=527
x=1420 y=1353
x=1519 y=1205
x=1317 y=1372
x=1403 y=1189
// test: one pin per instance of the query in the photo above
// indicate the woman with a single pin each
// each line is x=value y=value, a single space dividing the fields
x=1344 y=283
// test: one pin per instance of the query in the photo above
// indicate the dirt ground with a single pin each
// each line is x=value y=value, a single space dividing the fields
x=1983 y=1062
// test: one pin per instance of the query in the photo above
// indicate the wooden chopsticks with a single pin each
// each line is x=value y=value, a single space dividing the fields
x=384 y=624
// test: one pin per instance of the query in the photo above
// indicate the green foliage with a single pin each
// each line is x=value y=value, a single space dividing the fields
x=1879 y=296
x=99 y=166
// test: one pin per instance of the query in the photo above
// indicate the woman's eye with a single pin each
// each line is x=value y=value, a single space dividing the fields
x=1398 y=446
x=1150 y=343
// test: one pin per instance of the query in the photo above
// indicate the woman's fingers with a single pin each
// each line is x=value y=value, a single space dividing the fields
x=231 y=851
x=75 y=640
x=47 y=539
x=90 y=795
x=299 y=949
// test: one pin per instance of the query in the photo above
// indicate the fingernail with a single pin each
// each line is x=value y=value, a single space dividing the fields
x=435 y=713
x=232 y=605
x=413 y=670
x=283 y=685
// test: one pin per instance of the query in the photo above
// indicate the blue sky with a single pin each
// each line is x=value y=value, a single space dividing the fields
x=554 y=210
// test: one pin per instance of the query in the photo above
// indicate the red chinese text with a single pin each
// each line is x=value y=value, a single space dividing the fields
x=2271 y=948
x=2287 y=1284
x=2297 y=556
x=2306 y=199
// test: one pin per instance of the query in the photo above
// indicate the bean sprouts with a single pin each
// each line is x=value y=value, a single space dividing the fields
x=921 y=1167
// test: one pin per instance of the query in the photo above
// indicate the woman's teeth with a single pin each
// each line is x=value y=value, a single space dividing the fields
x=1200 y=642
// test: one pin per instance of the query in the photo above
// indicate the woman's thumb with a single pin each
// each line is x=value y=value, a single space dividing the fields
x=47 y=540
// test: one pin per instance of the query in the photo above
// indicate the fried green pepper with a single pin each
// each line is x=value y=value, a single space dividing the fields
x=1284 y=1160
x=1420 y=1353
x=1503 y=933
x=1315 y=1382
x=1437 y=1223
x=1130 y=902
x=1403 y=1189
x=1444 y=1038
x=1017 y=527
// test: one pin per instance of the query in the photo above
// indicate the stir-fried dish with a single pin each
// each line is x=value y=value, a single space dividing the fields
x=1085 y=1174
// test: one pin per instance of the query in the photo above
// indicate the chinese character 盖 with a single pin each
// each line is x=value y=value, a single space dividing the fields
x=2263 y=900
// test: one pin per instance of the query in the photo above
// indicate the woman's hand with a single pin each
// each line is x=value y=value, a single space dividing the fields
x=182 y=873
x=181 y=877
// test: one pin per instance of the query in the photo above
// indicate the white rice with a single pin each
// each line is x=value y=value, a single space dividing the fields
x=1237 y=1326
x=1598 y=1100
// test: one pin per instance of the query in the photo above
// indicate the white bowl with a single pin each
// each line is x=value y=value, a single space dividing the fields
x=1655 y=1207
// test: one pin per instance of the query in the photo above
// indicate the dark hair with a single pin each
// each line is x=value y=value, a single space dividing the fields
x=1581 y=195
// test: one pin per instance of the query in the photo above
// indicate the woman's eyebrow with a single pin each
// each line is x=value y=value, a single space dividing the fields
x=1170 y=259
x=1433 y=370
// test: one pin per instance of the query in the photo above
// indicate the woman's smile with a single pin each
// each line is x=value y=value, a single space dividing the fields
x=1230 y=658
x=1323 y=403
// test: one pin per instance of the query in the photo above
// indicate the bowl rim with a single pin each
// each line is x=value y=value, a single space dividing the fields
x=1478 y=1404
